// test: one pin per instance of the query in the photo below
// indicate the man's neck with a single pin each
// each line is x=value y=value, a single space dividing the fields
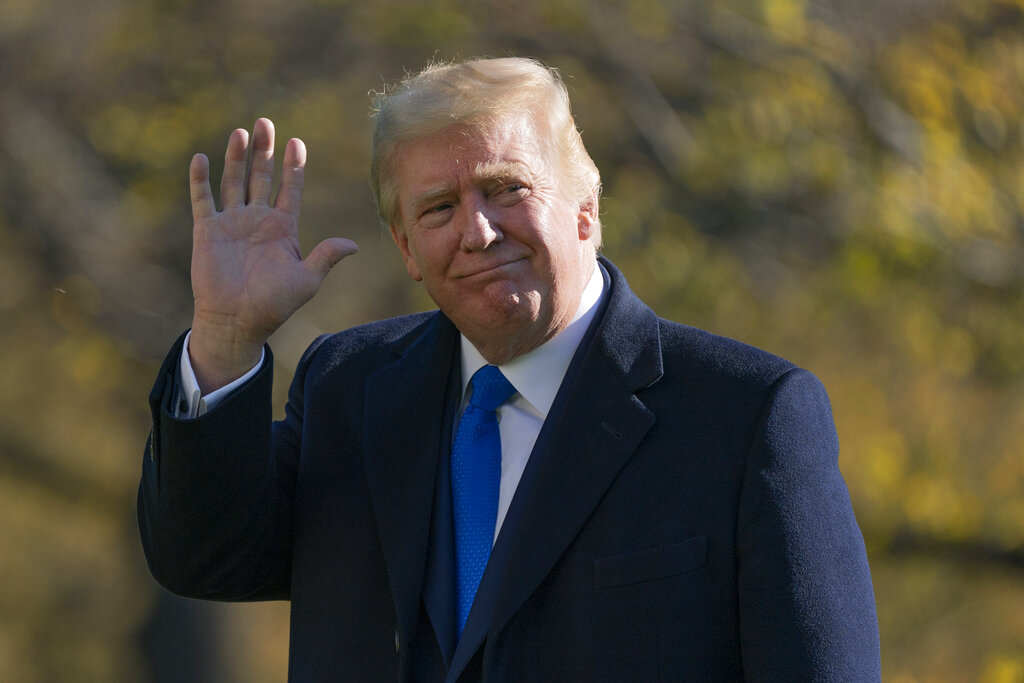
x=538 y=373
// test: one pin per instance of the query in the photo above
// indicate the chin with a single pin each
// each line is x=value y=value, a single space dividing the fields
x=500 y=319
x=505 y=302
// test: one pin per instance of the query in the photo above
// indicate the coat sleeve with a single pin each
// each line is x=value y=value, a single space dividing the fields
x=215 y=497
x=807 y=609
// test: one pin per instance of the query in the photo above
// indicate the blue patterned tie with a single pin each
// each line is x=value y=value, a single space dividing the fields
x=476 y=475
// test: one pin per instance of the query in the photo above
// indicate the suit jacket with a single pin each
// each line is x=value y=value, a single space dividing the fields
x=682 y=516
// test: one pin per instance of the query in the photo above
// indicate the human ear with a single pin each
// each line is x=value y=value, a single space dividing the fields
x=586 y=218
x=402 y=242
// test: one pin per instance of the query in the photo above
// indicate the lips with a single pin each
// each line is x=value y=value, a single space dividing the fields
x=487 y=268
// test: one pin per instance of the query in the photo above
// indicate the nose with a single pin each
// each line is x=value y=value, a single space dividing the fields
x=477 y=226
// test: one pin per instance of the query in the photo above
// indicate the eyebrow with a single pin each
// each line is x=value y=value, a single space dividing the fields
x=485 y=170
x=499 y=170
x=430 y=196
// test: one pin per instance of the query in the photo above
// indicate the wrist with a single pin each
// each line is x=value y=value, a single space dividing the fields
x=220 y=355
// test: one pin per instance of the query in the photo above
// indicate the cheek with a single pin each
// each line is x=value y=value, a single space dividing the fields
x=560 y=232
x=431 y=253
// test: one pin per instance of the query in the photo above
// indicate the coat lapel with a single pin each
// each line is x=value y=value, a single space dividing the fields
x=592 y=430
x=404 y=427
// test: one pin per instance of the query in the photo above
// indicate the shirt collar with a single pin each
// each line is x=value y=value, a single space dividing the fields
x=537 y=375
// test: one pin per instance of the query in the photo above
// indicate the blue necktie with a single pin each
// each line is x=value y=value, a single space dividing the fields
x=476 y=475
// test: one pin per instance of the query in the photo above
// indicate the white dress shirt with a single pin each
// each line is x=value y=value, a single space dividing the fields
x=536 y=377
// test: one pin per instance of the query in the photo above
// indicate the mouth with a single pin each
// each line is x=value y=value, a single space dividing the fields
x=489 y=268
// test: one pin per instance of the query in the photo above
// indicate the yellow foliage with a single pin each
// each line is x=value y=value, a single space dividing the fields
x=920 y=329
x=850 y=196
x=650 y=19
x=958 y=352
x=249 y=53
x=785 y=18
x=886 y=457
x=563 y=14
x=75 y=300
x=1003 y=668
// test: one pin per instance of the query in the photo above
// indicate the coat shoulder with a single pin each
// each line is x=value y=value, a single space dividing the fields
x=371 y=344
x=633 y=331
x=707 y=356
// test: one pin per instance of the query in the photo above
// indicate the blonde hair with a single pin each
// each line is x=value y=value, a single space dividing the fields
x=479 y=93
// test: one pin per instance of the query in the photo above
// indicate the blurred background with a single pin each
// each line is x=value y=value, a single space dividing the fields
x=839 y=182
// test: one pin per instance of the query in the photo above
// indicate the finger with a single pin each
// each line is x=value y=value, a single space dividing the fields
x=328 y=253
x=289 y=194
x=199 y=188
x=261 y=169
x=232 y=183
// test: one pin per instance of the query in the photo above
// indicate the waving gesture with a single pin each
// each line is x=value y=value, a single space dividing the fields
x=248 y=275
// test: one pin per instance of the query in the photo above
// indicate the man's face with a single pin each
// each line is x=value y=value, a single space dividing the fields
x=492 y=232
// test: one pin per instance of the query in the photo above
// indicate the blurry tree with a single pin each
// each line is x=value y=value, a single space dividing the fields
x=841 y=183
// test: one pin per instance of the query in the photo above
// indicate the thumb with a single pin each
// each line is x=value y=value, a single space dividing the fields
x=328 y=253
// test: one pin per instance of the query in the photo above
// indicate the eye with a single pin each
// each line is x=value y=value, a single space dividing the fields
x=438 y=208
x=510 y=194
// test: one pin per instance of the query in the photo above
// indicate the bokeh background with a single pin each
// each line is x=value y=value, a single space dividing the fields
x=839 y=182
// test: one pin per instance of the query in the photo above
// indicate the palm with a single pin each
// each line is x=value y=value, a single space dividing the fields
x=247 y=268
x=248 y=275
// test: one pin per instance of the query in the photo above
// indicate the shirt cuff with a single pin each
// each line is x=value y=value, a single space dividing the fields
x=191 y=403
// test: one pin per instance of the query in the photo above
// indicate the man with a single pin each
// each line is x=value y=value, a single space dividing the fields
x=611 y=497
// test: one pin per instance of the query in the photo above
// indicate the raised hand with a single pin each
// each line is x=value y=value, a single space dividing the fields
x=248 y=275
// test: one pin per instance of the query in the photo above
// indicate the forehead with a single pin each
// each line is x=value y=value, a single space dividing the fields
x=464 y=153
